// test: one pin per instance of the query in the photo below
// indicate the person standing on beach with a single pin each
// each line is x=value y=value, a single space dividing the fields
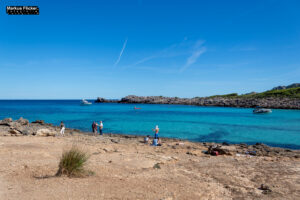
x=156 y=138
x=100 y=127
x=94 y=127
x=156 y=130
x=62 y=128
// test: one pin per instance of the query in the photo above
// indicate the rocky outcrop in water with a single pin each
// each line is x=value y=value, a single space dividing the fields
x=284 y=97
x=103 y=100
x=271 y=102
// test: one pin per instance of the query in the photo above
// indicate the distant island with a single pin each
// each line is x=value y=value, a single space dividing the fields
x=281 y=97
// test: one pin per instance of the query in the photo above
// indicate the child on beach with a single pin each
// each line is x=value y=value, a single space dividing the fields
x=62 y=128
x=147 y=139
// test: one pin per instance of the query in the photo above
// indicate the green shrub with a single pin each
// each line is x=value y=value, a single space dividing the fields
x=72 y=162
x=288 y=93
x=226 y=95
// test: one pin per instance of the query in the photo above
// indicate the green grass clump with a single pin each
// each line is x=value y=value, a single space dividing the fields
x=226 y=95
x=72 y=162
x=284 y=93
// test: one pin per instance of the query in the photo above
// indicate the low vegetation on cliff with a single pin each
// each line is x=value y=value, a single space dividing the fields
x=281 y=97
x=276 y=93
x=284 y=93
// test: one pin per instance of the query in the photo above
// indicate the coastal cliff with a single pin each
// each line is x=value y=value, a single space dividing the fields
x=281 y=97
x=283 y=103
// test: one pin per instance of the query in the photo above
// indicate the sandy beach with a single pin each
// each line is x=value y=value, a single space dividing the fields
x=126 y=168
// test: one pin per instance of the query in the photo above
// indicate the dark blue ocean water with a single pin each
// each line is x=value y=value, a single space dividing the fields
x=235 y=125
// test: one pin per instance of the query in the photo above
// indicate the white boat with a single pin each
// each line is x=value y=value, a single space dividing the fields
x=85 y=102
x=259 y=110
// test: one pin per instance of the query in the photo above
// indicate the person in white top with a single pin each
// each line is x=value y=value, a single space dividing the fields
x=62 y=130
x=100 y=128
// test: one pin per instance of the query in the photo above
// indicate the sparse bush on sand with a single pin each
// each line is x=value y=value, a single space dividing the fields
x=72 y=163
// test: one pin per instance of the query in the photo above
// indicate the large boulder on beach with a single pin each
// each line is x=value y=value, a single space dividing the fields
x=15 y=132
x=45 y=132
x=6 y=121
x=22 y=121
x=27 y=130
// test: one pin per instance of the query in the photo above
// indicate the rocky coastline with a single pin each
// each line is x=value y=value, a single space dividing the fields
x=22 y=127
x=30 y=154
x=270 y=102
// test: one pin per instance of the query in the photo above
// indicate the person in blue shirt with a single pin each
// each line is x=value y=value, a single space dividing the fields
x=156 y=138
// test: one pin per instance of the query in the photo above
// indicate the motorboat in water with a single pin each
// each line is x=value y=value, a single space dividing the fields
x=85 y=102
x=260 y=110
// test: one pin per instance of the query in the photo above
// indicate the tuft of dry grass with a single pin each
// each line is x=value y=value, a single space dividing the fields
x=72 y=163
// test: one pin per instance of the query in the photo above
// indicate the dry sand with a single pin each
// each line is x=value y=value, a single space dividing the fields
x=124 y=169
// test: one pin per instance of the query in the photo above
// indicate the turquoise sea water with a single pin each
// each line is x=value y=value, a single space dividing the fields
x=234 y=125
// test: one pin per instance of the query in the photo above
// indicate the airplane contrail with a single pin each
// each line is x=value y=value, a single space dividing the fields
x=119 y=58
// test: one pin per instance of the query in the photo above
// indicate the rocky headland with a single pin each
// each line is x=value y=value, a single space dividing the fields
x=281 y=97
x=271 y=102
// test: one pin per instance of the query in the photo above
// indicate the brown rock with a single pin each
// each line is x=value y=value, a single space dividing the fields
x=45 y=132
x=38 y=122
x=22 y=121
x=14 y=132
x=6 y=121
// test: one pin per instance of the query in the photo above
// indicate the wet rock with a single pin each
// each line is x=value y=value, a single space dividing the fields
x=225 y=144
x=42 y=122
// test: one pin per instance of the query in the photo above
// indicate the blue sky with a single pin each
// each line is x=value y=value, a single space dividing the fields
x=85 y=49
